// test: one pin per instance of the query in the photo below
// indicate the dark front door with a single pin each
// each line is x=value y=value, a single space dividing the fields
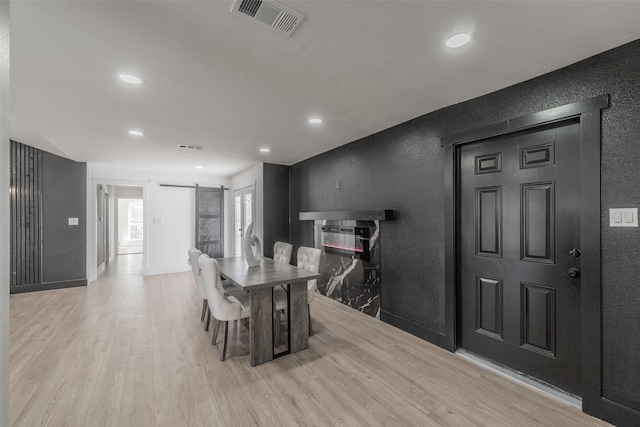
x=520 y=253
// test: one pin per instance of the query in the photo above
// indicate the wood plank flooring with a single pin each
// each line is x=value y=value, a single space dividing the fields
x=131 y=351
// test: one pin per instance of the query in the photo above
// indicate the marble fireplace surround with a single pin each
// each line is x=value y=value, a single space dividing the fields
x=353 y=280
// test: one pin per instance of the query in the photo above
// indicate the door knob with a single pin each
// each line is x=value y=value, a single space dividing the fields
x=574 y=273
x=575 y=253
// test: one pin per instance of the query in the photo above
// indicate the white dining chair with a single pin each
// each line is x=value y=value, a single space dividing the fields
x=194 y=254
x=308 y=259
x=229 y=288
x=223 y=308
x=282 y=252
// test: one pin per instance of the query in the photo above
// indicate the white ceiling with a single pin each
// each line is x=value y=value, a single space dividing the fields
x=218 y=80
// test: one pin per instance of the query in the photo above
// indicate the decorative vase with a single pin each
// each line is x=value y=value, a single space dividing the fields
x=251 y=247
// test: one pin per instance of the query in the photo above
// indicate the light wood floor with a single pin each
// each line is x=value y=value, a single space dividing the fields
x=131 y=351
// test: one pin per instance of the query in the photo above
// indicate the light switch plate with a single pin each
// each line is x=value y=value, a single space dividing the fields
x=623 y=217
x=73 y=221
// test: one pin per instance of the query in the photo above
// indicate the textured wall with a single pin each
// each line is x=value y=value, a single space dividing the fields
x=402 y=168
x=399 y=169
x=275 y=206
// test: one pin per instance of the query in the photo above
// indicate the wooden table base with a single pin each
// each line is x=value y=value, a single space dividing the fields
x=261 y=337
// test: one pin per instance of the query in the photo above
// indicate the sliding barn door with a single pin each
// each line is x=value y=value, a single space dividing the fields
x=210 y=221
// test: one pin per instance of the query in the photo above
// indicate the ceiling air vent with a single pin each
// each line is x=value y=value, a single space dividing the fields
x=189 y=147
x=269 y=14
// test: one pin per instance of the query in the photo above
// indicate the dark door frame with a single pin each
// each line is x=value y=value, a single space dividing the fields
x=588 y=112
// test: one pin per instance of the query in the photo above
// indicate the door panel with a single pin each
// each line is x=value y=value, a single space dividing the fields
x=538 y=217
x=538 y=318
x=489 y=306
x=489 y=221
x=519 y=217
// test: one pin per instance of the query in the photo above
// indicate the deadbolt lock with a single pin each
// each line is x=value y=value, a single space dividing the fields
x=575 y=253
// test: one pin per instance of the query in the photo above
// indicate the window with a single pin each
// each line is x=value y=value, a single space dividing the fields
x=135 y=220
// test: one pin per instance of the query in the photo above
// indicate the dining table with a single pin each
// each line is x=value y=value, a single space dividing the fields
x=259 y=281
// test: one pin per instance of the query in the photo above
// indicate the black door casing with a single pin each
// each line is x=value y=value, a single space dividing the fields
x=588 y=112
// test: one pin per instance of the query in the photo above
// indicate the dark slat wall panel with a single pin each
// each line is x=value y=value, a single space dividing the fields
x=26 y=216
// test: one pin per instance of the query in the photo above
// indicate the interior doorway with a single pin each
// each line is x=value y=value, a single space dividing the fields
x=129 y=220
x=102 y=240
x=119 y=221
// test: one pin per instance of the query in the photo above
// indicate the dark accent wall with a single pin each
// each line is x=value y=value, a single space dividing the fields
x=399 y=169
x=275 y=201
x=64 y=196
x=402 y=168
x=63 y=246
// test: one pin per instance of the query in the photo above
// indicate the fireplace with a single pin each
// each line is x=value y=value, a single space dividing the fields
x=349 y=238
x=350 y=261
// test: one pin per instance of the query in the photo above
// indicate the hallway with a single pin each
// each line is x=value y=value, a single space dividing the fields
x=123 y=265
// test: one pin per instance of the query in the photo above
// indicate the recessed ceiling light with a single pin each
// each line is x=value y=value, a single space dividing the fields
x=265 y=150
x=458 y=40
x=130 y=78
x=136 y=133
x=315 y=121
x=198 y=167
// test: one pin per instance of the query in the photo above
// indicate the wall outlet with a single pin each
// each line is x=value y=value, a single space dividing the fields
x=338 y=184
x=73 y=221
x=623 y=217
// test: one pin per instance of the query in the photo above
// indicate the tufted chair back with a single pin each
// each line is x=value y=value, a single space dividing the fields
x=222 y=308
x=309 y=259
x=282 y=252
x=194 y=254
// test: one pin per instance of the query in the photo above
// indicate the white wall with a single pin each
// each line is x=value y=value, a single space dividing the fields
x=170 y=228
x=128 y=192
x=4 y=213
x=112 y=222
x=169 y=215
x=242 y=180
